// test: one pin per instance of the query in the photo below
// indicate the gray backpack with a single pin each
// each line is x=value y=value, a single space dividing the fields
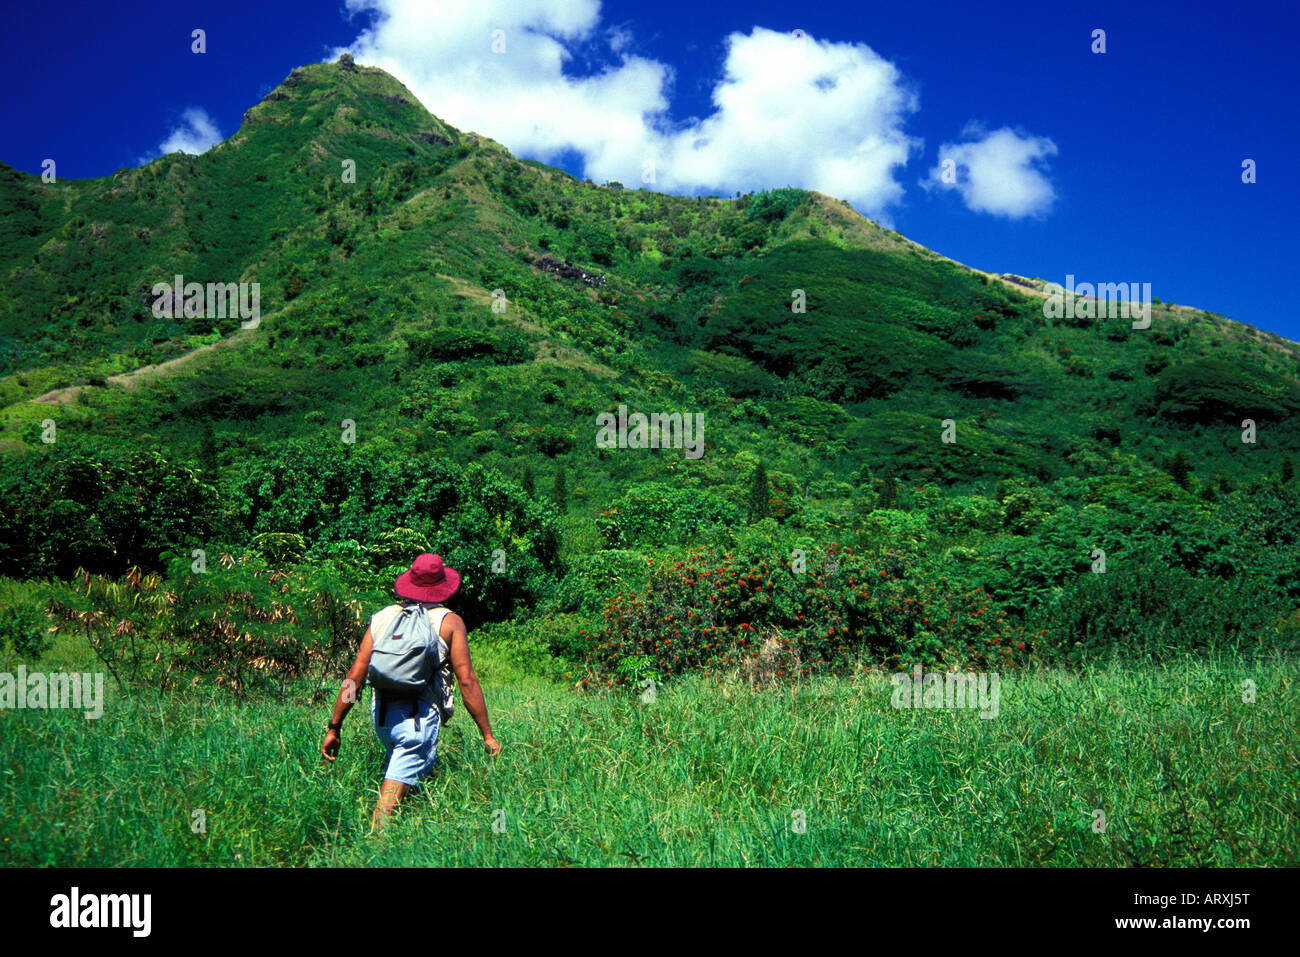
x=405 y=663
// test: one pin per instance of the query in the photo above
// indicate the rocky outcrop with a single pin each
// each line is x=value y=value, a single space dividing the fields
x=566 y=270
x=1020 y=280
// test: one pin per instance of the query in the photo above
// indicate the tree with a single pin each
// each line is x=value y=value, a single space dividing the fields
x=1179 y=468
x=527 y=481
x=600 y=243
x=334 y=232
x=759 y=494
x=1288 y=470
x=888 y=488
x=103 y=512
x=561 y=494
x=328 y=496
x=208 y=467
x=657 y=513
x=864 y=490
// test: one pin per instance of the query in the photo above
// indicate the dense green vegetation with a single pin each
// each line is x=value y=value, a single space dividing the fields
x=904 y=462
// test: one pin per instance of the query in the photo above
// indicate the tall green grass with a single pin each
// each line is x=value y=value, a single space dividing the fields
x=711 y=773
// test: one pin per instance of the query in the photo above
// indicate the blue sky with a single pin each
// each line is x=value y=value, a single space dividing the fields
x=1115 y=167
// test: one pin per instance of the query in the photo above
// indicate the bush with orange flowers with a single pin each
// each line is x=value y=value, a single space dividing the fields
x=713 y=610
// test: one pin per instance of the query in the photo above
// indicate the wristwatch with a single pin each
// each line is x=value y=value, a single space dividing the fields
x=335 y=727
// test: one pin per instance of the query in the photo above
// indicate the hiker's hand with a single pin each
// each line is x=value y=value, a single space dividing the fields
x=492 y=744
x=330 y=749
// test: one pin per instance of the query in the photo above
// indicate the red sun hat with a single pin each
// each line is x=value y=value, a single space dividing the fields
x=428 y=579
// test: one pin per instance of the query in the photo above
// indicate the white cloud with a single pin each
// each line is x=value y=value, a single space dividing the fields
x=826 y=116
x=997 y=172
x=786 y=111
x=196 y=134
x=620 y=38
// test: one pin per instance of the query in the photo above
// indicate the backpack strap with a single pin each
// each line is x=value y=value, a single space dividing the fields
x=437 y=661
x=436 y=628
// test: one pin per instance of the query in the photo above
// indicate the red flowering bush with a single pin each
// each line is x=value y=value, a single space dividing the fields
x=842 y=607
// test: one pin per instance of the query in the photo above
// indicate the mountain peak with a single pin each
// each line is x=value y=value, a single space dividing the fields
x=343 y=97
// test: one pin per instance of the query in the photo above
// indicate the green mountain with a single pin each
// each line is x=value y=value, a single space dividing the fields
x=456 y=304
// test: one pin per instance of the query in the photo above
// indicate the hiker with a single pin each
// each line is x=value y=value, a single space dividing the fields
x=407 y=655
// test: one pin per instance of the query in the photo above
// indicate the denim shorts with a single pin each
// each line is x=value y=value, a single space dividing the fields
x=412 y=750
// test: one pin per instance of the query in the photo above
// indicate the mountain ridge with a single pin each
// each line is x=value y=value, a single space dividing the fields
x=693 y=289
x=432 y=129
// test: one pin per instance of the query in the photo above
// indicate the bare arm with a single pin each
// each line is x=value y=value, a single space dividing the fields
x=348 y=694
x=470 y=692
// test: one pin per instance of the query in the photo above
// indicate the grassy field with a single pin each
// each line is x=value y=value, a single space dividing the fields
x=711 y=773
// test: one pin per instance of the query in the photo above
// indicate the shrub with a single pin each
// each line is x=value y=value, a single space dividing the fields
x=1024 y=509
x=505 y=347
x=327 y=493
x=25 y=629
x=907 y=531
x=1212 y=390
x=399 y=546
x=242 y=625
x=547 y=647
x=600 y=244
x=969 y=513
x=658 y=514
x=1144 y=609
x=717 y=611
x=104 y=511
x=592 y=578
x=550 y=440
x=774 y=205
x=785 y=497
x=280 y=548
x=564 y=636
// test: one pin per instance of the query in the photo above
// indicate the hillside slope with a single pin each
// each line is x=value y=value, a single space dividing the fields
x=459 y=303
